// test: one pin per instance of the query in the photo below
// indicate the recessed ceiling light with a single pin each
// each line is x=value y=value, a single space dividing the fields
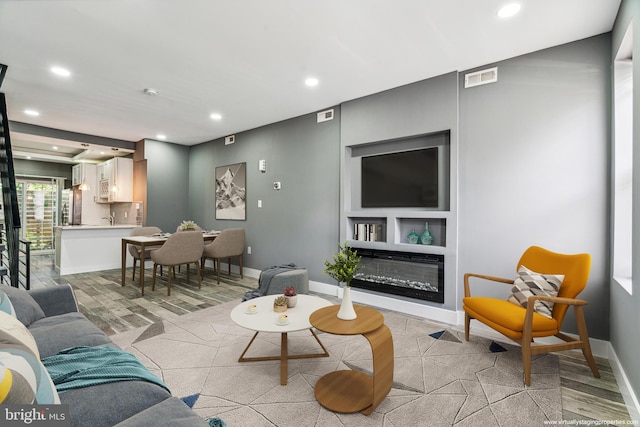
x=59 y=71
x=509 y=10
x=33 y=113
x=102 y=153
x=55 y=147
x=161 y=136
x=28 y=157
x=311 y=82
x=216 y=116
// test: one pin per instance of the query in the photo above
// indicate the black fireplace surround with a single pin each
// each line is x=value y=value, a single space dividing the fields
x=409 y=274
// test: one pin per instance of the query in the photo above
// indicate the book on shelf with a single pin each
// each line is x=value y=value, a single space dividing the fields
x=368 y=232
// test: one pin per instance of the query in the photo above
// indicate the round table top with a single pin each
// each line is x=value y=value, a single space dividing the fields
x=264 y=320
x=326 y=320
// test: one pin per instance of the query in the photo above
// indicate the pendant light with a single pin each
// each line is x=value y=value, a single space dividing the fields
x=114 y=186
x=84 y=186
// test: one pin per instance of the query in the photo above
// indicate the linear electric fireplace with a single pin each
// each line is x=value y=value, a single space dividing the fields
x=408 y=274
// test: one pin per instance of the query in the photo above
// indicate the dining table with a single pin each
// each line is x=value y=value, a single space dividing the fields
x=144 y=242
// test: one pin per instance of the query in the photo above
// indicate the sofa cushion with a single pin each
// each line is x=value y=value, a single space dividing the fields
x=26 y=308
x=168 y=413
x=529 y=283
x=56 y=333
x=109 y=404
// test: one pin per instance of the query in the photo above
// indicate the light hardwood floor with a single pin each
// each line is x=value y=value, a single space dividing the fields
x=117 y=309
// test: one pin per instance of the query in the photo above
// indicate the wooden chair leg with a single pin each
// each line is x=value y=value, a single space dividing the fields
x=169 y=280
x=153 y=286
x=584 y=337
x=467 y=323
x=240 y=260
x=526 y=361
x=133 y=276
x=188 y=273
x=229 y=265
x=218 y=269
x=198 y=272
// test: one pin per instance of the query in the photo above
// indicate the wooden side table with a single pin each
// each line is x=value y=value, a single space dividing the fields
x=353 y=391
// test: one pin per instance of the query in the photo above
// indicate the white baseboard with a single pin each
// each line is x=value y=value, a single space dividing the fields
x=630 y=399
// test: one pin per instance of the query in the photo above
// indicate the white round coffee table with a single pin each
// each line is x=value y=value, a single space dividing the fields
x=265 y=320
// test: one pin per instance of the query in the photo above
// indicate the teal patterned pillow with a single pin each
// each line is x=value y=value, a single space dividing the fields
x=529 y=283
x=24 y=379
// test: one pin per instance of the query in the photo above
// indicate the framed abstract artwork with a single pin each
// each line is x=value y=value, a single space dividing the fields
x=231 y=192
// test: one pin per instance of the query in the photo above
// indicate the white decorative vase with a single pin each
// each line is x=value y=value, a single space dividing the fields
x=346 y=311
x=292 y=301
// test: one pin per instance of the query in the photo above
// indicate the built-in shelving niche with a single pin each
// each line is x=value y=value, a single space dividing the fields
x=437 y=228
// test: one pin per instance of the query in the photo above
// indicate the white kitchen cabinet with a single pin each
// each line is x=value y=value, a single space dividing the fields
x=115 y=180
x=82 y=172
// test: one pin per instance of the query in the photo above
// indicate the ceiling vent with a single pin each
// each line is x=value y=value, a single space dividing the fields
x=229 y=139
x=324 y=116
x=490 y=75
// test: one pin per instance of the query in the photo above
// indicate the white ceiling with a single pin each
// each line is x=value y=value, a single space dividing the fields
x=247 y=59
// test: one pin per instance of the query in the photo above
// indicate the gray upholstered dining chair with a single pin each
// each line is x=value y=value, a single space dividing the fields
x=230 y=243
x=134 y=250
x=180 y=248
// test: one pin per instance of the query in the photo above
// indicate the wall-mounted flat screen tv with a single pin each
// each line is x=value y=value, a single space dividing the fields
x=407 y=179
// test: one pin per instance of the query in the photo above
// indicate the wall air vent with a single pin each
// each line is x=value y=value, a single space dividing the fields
x=490 y=75
x=229 y=139
x=324 y=116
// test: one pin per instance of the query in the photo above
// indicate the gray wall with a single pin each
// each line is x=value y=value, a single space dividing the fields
x=534 y=151
x=625 y=316
x=167 y=184
x=46 y=169
x=531 y=167
x=297 y=224
x=423 y=107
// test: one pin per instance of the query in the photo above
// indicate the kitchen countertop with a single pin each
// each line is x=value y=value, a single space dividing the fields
x=83 y=248
x=87 y=227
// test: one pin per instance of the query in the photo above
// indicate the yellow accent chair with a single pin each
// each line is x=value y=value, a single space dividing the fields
x=523 y=325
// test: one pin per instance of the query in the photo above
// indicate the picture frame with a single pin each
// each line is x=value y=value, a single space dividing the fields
x=231 y=191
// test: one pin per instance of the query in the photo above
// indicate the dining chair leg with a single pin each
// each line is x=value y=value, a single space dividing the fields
x=229 y=265
x=153 y=286
x=199 y=273
x=169 y=281
x=133 y=276
x=188 y=274
x=240 y=260
x=218 y=269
